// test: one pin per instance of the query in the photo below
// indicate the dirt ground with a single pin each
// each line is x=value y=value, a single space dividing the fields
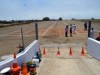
x=65 y=64
x=52 y=36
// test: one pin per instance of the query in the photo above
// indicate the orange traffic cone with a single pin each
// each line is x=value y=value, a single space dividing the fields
x=82 y=52
x=58 y=52
x=44 y=52
x=70 y=52
x=15 y=69
x=24 y=70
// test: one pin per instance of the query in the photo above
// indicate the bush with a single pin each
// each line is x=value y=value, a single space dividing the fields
x=46 y=19
x=60 y=18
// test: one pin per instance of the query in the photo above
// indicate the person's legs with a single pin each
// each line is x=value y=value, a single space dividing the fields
x=74 y=31
x=66 y=34
x=70 y=33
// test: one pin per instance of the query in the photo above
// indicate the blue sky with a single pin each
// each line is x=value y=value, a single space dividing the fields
x=37 y=9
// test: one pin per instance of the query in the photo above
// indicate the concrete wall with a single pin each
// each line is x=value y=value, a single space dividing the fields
x=24 y=56
x=93 y=48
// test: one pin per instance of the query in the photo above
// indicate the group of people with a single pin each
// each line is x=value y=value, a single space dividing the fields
x=72 y=30
x=91 y=32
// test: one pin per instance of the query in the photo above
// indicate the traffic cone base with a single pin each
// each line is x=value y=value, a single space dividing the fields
x=15 y=70
x=70 y=52
x=58 y=52
x=15 y=65
x=44 y=52
x=25 y=74
x=82 y=52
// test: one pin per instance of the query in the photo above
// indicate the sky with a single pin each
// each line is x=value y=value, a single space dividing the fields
x=37 y=9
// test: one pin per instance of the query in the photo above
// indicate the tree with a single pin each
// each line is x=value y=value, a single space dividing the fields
x=46 y=19
x=92 y=18
x=60 y=18
x=73 y=19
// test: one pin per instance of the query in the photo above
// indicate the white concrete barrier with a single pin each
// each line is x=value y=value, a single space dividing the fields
x=93 y=48
x=24 y=56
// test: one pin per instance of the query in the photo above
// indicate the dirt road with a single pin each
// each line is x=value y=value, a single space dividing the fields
x=51 y=36
x=64 y=64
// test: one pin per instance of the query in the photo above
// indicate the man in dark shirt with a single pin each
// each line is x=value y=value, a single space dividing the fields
x=71 y=30
x=66 y=31
x=85 y=26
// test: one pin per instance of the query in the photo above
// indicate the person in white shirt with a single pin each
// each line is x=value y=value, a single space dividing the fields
x=92 y=33
x=74 y=28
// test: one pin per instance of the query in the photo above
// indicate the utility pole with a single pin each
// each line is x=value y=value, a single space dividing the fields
x=36 y=30
x=22 y=39
x=89 y=28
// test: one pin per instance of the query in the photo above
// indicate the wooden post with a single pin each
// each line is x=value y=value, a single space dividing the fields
x=22 y=39
x=36 y=30
x=89 y=28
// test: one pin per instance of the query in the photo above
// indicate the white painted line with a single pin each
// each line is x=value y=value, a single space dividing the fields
x=14 y=31
x=49 y=29
x=9 y=33
x=20 y=35
x=77 y=32
x=65 y=23
x=28 y=31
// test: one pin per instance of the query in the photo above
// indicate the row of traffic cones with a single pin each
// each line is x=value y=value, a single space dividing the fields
x=70 y=52
x=82 y=52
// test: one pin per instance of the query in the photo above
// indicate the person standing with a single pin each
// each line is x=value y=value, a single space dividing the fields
x=66 y=31
x=92 y=33
x=74 y=28
x=71 y=30
x=85 y=26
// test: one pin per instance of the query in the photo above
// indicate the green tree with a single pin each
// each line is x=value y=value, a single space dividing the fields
x=60 y=18
x=46 y=19
x=92 y=18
